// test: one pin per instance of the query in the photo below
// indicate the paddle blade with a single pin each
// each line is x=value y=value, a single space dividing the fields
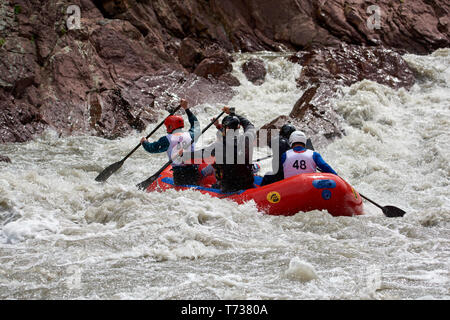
x=392 y=212
x=105 y=174
x=146 y=183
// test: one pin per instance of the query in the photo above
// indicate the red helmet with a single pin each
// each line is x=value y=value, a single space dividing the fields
x=174 y=122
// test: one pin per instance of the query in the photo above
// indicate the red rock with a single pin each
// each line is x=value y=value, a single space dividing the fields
x=349 y=64
x=205 y=59
x=49 y=73
x=19 y=121
x=190 y=53
x=254 y=71
x=215 y=66
x=230 y=80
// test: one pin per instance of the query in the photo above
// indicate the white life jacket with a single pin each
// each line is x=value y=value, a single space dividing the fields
x=177 y=141
x=298 y=162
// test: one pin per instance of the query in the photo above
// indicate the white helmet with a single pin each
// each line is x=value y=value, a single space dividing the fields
x=297 y=137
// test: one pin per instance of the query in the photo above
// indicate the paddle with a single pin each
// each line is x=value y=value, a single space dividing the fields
x=389 y=211
x=105 y=174
x=146 y=183
x=261 y=159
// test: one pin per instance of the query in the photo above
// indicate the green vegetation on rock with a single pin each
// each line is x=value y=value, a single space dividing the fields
x=17 y=9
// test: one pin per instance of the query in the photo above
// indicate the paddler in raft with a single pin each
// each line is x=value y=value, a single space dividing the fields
x=233 y=153
x=283 y=146
x=174 y=142
x=300 y=160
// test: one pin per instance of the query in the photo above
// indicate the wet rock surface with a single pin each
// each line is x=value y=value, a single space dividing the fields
x=90 y=80
x=254 y=71
x=108 y=77
x=5 y=159
x=348 y=64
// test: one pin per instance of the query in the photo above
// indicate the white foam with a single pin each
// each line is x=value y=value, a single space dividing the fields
x=185 y=245
x=301 y=270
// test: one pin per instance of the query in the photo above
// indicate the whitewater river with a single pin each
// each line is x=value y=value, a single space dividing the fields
x=65 y=236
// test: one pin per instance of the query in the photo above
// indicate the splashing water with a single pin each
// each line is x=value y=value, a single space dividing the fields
x=63 y=235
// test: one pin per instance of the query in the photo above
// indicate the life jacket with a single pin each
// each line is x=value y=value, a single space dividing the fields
x=234 y=176
x=177 y=141
x=298 y=161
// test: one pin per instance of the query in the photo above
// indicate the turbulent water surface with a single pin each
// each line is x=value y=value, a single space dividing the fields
x=63 y=235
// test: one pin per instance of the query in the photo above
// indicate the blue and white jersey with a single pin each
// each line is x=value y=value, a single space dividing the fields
x=178 y=141
x=297 y=162
x=300 y=160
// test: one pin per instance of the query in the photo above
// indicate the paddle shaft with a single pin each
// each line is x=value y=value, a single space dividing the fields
x=371 y=201
x=144 y=184
x=268 y=157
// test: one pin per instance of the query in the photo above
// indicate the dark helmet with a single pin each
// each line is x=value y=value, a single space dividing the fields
x=286 y=130
x=231 y=122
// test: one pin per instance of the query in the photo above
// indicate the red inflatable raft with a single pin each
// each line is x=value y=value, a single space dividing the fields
x=304 y=192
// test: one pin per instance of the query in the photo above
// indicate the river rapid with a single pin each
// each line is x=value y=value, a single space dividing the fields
x=65 y=236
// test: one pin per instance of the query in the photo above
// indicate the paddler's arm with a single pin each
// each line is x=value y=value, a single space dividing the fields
x=322 y=165
x=156 y=147
x=194 y=130
x=246 y=125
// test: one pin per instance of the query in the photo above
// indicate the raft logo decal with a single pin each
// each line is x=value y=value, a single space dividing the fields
x=273 y=197
x=326 y=194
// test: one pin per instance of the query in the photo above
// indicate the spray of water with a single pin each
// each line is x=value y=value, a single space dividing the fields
x=63 y=235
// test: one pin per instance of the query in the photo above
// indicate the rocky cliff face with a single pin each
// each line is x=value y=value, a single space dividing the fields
x=131 y=57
